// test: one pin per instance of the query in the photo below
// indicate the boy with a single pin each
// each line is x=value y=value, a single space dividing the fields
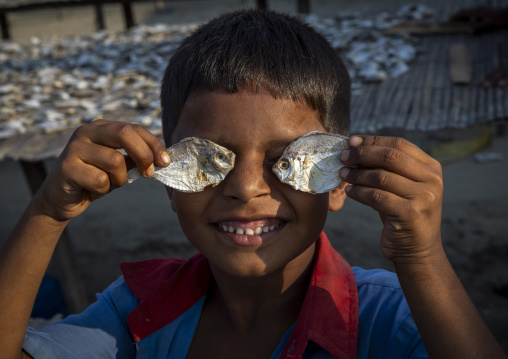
x=267 y=283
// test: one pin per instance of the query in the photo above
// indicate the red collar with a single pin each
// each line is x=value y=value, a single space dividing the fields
x=329 y=315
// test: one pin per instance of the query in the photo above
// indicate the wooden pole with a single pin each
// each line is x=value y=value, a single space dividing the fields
x=127 y=12
x=99 y=17
x=5 y=26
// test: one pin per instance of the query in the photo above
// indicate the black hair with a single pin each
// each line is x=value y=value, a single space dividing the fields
x=252 y=48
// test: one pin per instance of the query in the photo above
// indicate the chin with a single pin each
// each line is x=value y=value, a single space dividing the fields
x=244 y=267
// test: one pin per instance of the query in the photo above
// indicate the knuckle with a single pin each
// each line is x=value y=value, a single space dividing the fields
x=72 y=147
x=117 y=159
x=370 y=140
x=376 y=197
x=425 y=203
x=101 y=182
x=358 y=153
x=429 y=197
x=146 y=157
x=439 y=169
x=68 y=166
x=391 y=156
x=380 y=177
x=136 y=127
x=126 y=131
x=438 y=180
x=81 y=131
x=436 y=177
x=399 y=142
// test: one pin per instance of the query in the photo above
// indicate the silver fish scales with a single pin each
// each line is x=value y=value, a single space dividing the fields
x=311 y=163
x=195 y=164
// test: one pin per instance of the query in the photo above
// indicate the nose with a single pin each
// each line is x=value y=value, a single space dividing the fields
x=247 y=180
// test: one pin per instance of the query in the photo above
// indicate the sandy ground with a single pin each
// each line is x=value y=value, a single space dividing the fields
x=135 y=222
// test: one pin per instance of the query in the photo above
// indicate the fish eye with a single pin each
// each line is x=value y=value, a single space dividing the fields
x=284 y=163
x=220 y=156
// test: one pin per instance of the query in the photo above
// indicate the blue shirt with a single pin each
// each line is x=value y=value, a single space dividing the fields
x=385 y=326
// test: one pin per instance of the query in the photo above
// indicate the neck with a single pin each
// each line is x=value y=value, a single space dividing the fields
x=249 y=302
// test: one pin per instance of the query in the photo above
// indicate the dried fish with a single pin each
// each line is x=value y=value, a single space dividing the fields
x=311 y=163
x=371 y=55
x=195 y=164
x=103 y=74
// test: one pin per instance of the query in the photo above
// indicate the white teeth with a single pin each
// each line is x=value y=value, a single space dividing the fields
x=248 y=231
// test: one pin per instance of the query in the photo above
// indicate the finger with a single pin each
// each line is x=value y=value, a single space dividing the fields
x=381 y=179
x=390 y=159
x=393 y=142
x=143 y=147
x=383 y=202
x=161 y=158
x=106 y=159
x=83 y=176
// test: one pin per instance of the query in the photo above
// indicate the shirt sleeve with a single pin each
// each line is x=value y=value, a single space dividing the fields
x=100 y=331
x=386 y=327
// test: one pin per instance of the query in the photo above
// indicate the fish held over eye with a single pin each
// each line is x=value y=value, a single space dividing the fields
x=195 y=164
x=311 y=163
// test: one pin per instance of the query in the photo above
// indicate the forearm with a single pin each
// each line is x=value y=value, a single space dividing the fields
x=23 y=262
x=448 y=322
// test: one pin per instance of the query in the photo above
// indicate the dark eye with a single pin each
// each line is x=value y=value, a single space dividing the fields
x=284 y=163
x=220 y=157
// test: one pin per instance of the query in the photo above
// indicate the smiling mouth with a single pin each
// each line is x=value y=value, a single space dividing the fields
x=250 y=227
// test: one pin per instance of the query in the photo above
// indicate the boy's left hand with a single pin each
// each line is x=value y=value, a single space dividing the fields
x=405 y=186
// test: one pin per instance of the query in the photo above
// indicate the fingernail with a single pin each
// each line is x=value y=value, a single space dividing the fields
x=165 y=158
x=344 y=155
x=348 y=188
x=150 y=171
x=355 y=141
x=344 y=171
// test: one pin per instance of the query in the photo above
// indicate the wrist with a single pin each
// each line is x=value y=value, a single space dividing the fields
x=425 y=258
x=41 y=209
x=426 y=267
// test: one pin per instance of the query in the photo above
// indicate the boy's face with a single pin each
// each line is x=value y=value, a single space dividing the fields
x=257 y=128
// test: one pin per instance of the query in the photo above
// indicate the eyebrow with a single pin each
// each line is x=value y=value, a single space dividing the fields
x=272 y=145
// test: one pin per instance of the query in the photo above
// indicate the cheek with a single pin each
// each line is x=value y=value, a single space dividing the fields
x=184 y=206
x=191 y=208
x=309 y=207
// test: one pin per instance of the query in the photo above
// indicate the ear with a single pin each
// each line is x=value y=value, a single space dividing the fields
x=337 y=197
x=170 y=193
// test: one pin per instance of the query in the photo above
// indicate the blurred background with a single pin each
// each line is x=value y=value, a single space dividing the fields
x=48 y=60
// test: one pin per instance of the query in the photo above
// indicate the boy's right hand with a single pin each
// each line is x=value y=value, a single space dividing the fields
x=90 y=166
